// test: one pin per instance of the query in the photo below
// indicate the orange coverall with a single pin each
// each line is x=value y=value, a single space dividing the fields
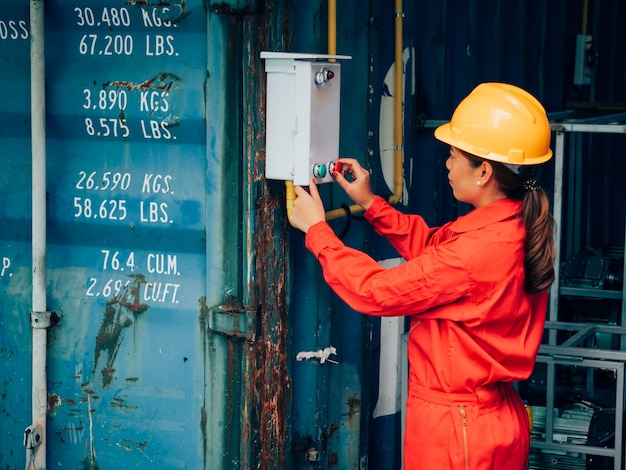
x=474 y=329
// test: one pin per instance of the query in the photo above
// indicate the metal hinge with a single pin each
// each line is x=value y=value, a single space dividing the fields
x=238 y=324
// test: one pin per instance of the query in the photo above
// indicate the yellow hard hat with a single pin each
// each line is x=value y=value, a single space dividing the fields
x=500 y=122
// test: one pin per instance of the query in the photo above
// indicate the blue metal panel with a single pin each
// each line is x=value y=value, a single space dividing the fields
x=15 y=249
x=126 y=159
x=328 y=396
x=126 y=146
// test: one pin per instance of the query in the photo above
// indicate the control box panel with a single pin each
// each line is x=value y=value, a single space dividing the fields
x=302 y=116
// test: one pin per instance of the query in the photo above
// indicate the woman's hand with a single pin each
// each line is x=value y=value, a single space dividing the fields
x=308 y=208
x=359 y=189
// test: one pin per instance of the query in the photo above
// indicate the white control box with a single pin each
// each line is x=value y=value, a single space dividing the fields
x=302 y=116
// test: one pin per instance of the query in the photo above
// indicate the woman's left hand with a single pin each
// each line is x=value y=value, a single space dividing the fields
x=308 y=208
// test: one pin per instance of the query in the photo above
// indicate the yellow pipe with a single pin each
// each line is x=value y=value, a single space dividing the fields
x=585 y=14
x=336 y=213
x=290 y=196
x=398 y=93
x=332 y=50
x=332 y=28
x=398 y=114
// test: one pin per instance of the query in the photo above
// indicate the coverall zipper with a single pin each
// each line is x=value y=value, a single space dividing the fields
x=465 y=444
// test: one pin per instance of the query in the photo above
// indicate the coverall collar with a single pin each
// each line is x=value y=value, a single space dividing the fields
x=483 y=216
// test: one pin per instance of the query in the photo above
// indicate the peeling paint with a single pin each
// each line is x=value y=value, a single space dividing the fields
x=165 y=6
x=272 y=379
x=264 y=377
x=165 y=83
x=161 y=81
x=53 y=401
x=119 y=314
x=119 y=402
x=204 y=329
x=321 y=354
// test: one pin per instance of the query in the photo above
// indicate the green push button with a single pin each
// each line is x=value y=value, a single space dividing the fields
x=319 y=170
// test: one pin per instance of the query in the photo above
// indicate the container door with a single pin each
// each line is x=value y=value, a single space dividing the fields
x=15 y=229
x=126 y=146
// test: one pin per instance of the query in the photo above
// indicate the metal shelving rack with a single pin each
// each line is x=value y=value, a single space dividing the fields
x=608 y=124
x=579 y=349
x=576 y=352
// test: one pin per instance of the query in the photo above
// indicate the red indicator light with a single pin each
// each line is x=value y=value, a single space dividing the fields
x=323 y=76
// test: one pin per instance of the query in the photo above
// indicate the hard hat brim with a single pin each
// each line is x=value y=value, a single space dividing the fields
x=443 y=133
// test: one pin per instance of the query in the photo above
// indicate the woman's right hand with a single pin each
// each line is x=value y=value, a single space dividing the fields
x=359 y=189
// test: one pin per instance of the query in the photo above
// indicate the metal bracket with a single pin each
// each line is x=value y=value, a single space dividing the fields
x=32 y=436
x=40 y=319
x=236 y=324
x=312 y=455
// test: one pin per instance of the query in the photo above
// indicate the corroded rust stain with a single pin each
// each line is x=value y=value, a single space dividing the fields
x=204 y=331
x=334 y=427
x=119 y=402
x=164 y=83
x=181 y=6
x=257 y=362
x=119 y=314
x=161 y=81
x=354 y=411
x=232 y=304
x=53 y=401
x=271 y=379
x=271 y=382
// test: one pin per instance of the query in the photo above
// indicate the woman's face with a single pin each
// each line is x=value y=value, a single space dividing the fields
x=463 y=177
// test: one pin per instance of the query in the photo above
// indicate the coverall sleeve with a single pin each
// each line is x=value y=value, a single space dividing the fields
x=436 y=277
x=408 y=233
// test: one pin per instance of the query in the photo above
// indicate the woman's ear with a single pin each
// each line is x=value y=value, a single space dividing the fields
x=486 y=170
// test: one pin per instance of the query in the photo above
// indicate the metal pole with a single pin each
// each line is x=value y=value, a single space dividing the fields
x=35 y=434
x=557 y=211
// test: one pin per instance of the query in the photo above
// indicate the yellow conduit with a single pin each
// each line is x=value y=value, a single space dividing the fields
x=398 y=111
x=398 y=114
x=332 y=28
x=290 y=195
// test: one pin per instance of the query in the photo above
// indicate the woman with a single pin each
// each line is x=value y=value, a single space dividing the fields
x=475 y=288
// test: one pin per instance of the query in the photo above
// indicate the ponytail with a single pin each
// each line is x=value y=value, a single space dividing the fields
x=539 y=245
x=539 y=251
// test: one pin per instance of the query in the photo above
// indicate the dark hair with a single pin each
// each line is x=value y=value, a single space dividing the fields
x=539 y=248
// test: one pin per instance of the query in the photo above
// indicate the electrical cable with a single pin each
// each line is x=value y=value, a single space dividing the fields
x=349 y=216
